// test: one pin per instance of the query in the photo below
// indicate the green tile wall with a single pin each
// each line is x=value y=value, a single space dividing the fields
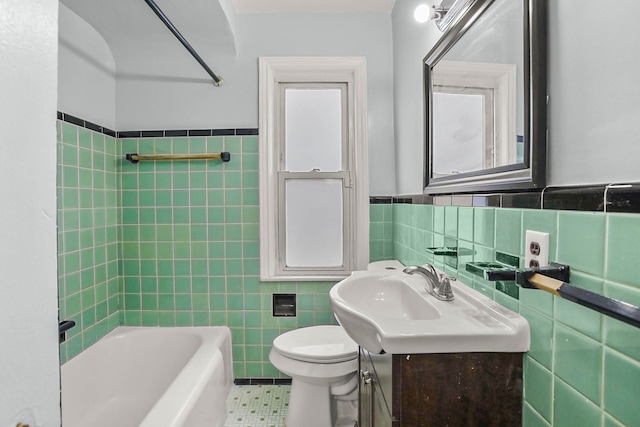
x=380 y=232
x=190 y=248
x=88 y=217
x=583 y=368
x=176 y=243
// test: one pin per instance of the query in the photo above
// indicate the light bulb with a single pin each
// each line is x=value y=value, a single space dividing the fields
x=423 y=13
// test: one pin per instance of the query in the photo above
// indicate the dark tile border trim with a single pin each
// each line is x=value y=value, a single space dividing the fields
x=171 y=133
x=610 y=198
x=262 y=381
x=85 y=124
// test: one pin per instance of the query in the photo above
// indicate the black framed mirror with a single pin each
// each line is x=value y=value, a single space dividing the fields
x=485 y=100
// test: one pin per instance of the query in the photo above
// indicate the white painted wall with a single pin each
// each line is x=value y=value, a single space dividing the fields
x=29 y=374
x=86 y=73
x=593 y=87
x=411 y=42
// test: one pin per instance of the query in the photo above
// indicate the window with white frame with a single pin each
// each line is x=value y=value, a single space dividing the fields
x=314 y=211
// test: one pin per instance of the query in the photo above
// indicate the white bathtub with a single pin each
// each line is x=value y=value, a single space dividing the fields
x=150 y=377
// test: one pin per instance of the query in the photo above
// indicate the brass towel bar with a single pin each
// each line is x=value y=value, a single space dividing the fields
x=225 y=156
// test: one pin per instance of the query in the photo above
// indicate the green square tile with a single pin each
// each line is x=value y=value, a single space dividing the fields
x=146 y=198
x=69 y=134
x=129 y=145
x=70 y=197
x=439 y=219
x=164 y=198
x=183 y=285
x=69 y=155
x=147 y=181
x=85 y=158
x=164 y=215
x=184 y=318
x=70 y=176
x=235 y=301
x=621 y=379
x=198 y=215
x=200 y=285
x=131 y=302
x=166 y=302
x=618 y=335
x=200 y=318
x=582 y=319
x=538 y=300
x=538 y=387
x=197 y=145
x=198 y=197
x=571 y=348
x=183 y=302
x=509 y=231
x=451 y=221
x=150 y=302
x=180 y=146
x=250 y=196
x=236 y=322
x=162 y=181
x=215 y=144
x=376 y=213
x=484 y=226
x=215 y=181
x=180 y=198
x=233 y=180
x=84 y=138
x=573 y=409
x=249 y=144
x=581 y=241
x=150 y=318
x=86 y=198
x=542 y=342
x=200 y=301
x=253 y=336
x=465 y=224
x=623 y=251
x=233 y=197
x=216 y=214
x=251 y=214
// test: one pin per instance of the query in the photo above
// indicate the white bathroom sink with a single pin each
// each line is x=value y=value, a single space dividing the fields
x=386 y=310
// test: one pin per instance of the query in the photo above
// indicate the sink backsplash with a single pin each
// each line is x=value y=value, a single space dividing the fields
x=602 y=252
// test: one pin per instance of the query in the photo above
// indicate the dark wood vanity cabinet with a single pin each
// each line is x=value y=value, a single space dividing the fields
x=442 y=389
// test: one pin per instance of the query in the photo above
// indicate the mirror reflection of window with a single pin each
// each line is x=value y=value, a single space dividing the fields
x=462 y=125
x=473 y=117
x=496 y=52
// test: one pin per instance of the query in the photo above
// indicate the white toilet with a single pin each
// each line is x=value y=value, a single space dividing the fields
x=322 y=362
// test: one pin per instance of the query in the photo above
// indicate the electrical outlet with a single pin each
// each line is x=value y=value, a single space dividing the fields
x=536 y=249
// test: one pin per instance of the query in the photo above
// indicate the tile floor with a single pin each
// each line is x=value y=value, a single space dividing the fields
x=258 y=406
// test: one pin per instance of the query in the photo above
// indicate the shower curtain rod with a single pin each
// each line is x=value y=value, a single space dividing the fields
x=216 y=79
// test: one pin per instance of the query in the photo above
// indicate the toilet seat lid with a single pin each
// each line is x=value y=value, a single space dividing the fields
x=317 y=344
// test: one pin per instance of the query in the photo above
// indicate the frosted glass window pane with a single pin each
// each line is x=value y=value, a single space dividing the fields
x=314 y=223
x=458 y=123
x=313 y=129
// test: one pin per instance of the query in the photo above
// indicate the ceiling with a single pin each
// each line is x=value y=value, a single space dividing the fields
x=303 y=6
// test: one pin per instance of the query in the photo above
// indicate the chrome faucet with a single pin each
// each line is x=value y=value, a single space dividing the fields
x=438 y=286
